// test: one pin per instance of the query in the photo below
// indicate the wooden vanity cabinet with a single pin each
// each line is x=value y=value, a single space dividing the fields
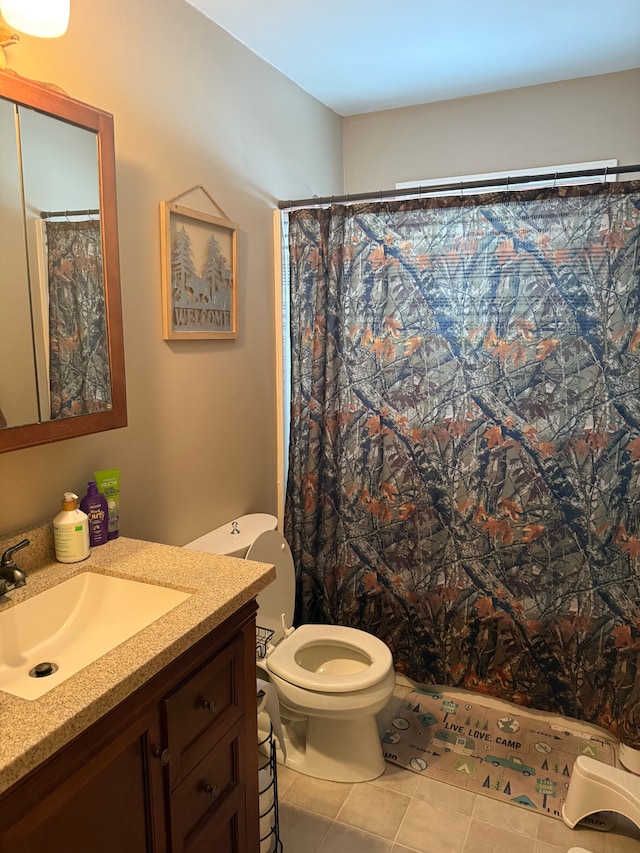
x=172 y=769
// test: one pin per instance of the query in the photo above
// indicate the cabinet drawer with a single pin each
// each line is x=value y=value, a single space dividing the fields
x=204 y=801
x=201 y=710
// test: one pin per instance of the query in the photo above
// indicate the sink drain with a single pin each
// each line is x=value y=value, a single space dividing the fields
x=41 y=670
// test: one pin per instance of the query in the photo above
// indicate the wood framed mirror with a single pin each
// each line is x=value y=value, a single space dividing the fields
x=61 y=342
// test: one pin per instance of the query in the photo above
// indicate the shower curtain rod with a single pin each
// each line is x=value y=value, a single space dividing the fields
x=459 y=186
x=52 y=214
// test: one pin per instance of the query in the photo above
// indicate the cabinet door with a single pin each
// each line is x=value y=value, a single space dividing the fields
x=106 y=806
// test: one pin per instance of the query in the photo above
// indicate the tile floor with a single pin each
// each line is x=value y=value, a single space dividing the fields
x=402 y=812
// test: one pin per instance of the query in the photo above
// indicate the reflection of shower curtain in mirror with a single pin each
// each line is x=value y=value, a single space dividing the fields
x=80 y=381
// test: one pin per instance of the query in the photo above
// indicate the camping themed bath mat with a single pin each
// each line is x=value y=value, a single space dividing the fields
x=522 y=760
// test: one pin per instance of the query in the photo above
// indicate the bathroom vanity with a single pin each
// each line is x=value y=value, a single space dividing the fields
x=153 y=746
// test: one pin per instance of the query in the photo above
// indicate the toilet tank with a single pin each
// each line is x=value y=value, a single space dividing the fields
x=258 y=538
x=223 y=540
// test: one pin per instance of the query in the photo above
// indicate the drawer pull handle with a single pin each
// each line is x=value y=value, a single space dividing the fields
x=211 y=707
x=213 y=791
x=163 y=755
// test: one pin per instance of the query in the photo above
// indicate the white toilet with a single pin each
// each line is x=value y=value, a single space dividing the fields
x=331 y=681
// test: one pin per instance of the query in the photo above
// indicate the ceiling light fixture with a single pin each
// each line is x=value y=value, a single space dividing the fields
x=43 y=18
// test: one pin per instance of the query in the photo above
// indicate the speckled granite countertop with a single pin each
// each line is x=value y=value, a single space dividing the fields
x=32 y=730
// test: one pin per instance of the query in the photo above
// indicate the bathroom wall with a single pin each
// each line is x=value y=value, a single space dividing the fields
x=591 y=118
x=191 y=106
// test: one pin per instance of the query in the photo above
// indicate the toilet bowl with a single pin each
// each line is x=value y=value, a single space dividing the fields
x=331 y=680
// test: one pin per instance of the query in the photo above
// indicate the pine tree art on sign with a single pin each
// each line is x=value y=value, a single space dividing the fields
x=199 y=288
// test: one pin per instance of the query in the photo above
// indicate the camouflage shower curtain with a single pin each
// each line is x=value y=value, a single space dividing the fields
x=464 y=468
x=79 y=374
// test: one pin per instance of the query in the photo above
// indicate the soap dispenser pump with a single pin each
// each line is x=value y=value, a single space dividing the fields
x=71 y=531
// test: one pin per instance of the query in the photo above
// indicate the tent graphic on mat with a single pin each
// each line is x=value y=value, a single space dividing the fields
x=427 y=719
x=524 y=801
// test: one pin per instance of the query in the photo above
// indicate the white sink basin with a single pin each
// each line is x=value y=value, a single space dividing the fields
x=73 y=624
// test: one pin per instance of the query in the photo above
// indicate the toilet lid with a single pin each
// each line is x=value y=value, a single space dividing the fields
x=280 y=596
x=223 y=541
x=282 y=660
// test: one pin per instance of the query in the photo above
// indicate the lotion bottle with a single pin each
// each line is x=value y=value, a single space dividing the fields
x=71 y=531
x=95 y=506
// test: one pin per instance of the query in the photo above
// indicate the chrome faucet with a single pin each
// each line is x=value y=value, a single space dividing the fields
x=11 y=577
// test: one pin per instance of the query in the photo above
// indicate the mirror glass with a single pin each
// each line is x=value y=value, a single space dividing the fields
x=61 y=352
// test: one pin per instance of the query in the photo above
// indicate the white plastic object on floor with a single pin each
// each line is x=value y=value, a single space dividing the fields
x=579 y=850
x=598 y=787
x=629 y=758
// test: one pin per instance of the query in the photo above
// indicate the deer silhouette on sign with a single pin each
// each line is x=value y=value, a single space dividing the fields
x=212 y=288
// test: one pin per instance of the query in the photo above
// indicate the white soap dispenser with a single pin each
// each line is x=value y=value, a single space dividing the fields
x=71 y=531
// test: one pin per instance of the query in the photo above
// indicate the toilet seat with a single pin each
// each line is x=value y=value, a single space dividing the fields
x=283 y=659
